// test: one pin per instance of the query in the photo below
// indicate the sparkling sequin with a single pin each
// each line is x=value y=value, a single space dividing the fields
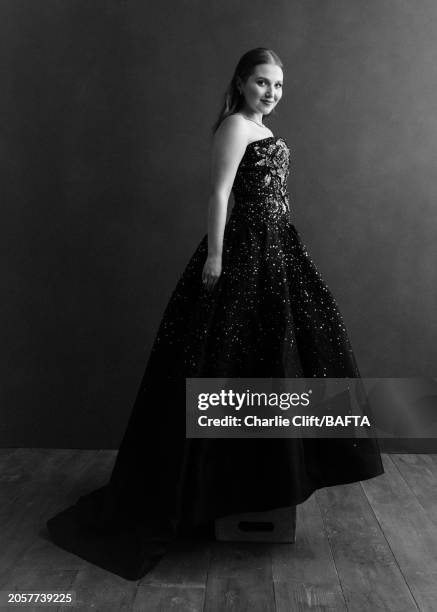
x=270 y=314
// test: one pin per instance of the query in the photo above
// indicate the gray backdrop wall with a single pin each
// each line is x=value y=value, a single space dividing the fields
x=106 y=109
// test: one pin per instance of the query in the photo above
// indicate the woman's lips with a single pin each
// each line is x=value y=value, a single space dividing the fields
x=268 y=102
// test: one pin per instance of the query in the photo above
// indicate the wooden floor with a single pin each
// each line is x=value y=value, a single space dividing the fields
x=365 y=546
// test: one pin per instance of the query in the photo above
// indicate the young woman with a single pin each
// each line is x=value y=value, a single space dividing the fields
x=250 y=303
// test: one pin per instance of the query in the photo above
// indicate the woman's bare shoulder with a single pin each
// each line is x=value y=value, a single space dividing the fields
x=235 y=120
x=233 y=130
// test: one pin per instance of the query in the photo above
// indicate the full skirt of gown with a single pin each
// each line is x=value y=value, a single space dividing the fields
x=270 y=315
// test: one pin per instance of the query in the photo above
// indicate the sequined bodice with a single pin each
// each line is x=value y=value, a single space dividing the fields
x=260 y=185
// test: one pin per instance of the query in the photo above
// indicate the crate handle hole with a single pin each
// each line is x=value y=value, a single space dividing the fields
x=255 y=526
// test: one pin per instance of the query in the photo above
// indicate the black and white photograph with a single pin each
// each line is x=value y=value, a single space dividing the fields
x=219 y=286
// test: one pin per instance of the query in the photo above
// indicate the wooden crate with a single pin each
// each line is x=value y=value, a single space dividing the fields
x=278 y=525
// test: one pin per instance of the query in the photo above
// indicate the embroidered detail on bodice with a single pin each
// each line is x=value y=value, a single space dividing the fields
x=260 y=185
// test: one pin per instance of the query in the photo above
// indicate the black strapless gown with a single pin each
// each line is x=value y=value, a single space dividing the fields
x=270 y=315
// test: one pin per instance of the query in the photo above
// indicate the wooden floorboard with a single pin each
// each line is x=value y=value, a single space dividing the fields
x=169 y=599
x=185 y=564
x=359 y=547
x=304 y=573
x=410 y=533
x=97 y=589
x=368 y=572
x=420 y=474
x=240 y=578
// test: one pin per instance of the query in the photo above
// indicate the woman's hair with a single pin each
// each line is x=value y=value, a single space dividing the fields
x=233 y=99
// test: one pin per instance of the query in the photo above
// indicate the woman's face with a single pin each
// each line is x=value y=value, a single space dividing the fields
x=263 y=89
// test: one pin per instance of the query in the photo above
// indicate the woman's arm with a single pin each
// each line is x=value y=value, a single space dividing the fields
x=228 y=148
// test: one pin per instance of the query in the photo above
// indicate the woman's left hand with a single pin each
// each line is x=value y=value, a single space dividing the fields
x=211 y=271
